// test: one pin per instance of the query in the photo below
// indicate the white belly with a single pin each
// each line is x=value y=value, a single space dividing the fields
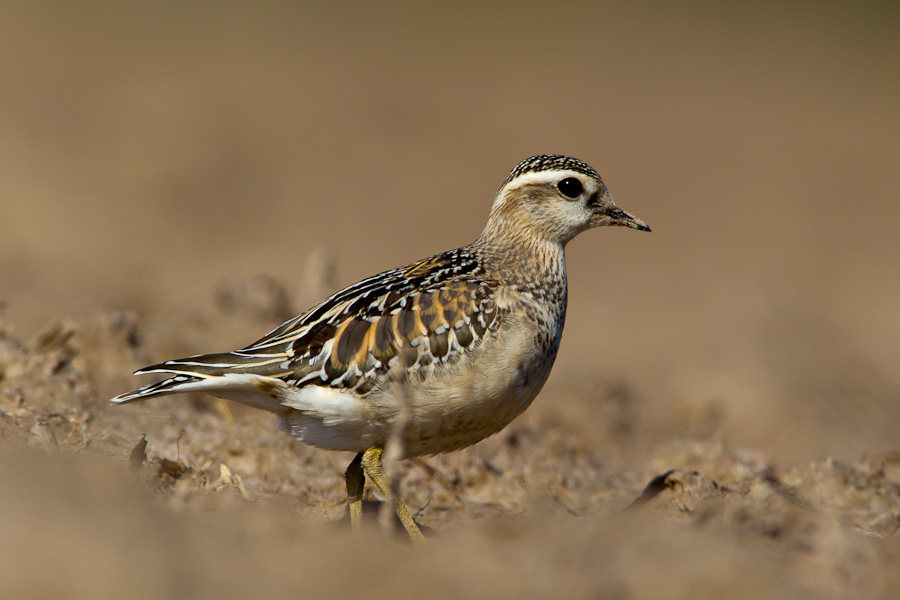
x=447 y=408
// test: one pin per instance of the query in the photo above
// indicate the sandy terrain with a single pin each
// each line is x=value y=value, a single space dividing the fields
x=180 y=180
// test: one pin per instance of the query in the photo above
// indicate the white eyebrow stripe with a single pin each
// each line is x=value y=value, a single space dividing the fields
x=548 y=177
x=544 y=177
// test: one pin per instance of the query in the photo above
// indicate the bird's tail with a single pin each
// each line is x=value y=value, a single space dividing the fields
x=172 y=385
x=223 y=375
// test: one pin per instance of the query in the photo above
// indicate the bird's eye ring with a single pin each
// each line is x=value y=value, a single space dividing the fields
x=570 y=187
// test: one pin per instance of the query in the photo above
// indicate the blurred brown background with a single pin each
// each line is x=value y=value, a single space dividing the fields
x=148 y=152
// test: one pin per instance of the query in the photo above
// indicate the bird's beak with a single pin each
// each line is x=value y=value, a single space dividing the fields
x=616 y=216
x=626 y=219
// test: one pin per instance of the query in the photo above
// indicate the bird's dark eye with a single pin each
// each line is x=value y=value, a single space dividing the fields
x=570 y=187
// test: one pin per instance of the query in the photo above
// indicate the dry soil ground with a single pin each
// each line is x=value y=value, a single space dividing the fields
x=722 y=419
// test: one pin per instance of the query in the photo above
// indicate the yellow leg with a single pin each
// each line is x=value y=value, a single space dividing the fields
x=356 y=480
x=371 y=462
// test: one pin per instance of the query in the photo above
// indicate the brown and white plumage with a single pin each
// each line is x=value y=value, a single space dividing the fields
x=465 y=339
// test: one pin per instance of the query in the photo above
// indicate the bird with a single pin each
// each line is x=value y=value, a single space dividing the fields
x=441 y=353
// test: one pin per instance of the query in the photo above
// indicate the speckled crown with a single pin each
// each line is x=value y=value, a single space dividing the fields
x=548 y=162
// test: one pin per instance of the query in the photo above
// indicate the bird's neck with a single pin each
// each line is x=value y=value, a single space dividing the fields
x=523 y=260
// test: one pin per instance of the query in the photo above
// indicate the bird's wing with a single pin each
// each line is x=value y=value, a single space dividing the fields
x=425 y=313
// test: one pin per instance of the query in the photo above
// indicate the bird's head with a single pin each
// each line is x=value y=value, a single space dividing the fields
x=556 y=198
